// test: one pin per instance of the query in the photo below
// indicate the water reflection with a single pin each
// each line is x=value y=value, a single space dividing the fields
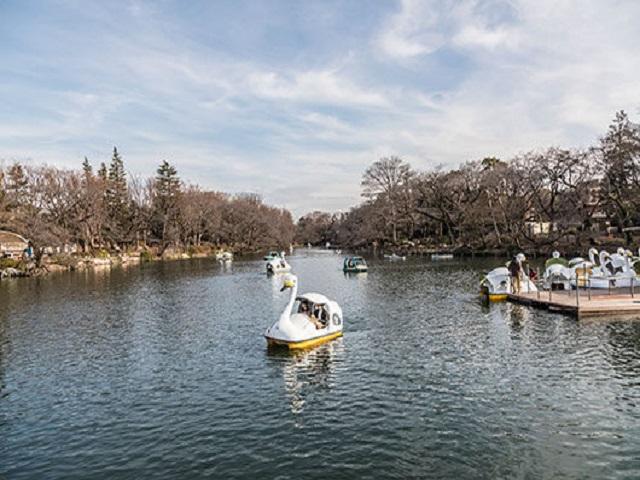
x=4 y=352
x=518 y=316
x=355 y=275
x=225 y=266
x=167 y=363
x=623 y=349
x=307 y=372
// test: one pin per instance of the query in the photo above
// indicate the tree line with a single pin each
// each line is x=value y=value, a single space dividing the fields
x=537 y=200
x=109 y=209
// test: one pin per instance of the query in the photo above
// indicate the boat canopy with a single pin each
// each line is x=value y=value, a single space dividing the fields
x=315 y=298
x=556 y=261
x=575 y=261
x=355 y=261
x=499 y=272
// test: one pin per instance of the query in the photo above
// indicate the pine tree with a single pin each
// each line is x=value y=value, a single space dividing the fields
x=165 y=203
x=87 y=173
x=117 y=199
x=87 y=168
x=167 y=185
x=102 y=172
x=17 y=186
x=117 y=181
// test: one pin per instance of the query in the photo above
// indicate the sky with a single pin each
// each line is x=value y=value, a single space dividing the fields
x=294 y=99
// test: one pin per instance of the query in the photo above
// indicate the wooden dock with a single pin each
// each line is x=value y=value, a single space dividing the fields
x=618 y=302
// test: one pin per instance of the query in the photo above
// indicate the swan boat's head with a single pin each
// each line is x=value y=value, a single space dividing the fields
x=289 y=281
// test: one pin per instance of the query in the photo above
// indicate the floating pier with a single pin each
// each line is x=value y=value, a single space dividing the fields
x=583 y=303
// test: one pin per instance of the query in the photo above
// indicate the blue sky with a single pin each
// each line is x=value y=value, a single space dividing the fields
x=293 y=100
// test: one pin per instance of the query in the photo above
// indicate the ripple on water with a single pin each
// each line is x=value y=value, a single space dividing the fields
x=162 y=371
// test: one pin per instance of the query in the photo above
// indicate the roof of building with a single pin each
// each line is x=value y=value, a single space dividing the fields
x=10 y=237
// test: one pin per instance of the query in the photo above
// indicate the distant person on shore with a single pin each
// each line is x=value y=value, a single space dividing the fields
x=515 y=270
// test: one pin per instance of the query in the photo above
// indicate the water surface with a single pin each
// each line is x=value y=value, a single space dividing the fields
x=162 y=371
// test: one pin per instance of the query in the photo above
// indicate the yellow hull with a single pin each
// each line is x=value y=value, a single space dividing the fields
x=495 y=297
x=304 y=344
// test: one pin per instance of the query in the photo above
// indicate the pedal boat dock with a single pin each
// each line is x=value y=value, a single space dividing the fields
x=583 y=303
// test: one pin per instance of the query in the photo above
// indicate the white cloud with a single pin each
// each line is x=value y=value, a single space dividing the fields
x=413 y=31
x=509 y=76
x=482 y=36
x=314 y=86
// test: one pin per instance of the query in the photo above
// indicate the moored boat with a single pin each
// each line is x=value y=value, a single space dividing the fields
x=278 y=265
x=354 y=265
x=224 y=256
x=272 y=255
x=557 y=274
x=496 y=285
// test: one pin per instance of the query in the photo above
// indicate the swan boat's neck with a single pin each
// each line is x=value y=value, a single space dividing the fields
x=289 y=308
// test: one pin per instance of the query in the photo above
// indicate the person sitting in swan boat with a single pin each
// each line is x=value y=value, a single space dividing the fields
x=304 y=308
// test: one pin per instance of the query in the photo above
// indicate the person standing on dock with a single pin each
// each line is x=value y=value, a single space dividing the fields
x=515 y=269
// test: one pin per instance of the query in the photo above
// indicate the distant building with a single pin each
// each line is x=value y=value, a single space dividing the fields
x=12 y=245
x=539 y=228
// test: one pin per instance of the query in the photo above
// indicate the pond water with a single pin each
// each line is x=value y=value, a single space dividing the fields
x=162 y=371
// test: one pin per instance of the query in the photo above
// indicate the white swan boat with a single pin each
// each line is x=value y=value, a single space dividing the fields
x=613 y=271
x=558 y=273
x=278 y=265
x=273 y=254
x=224 y=256
x=496 y=285
x=316 y=319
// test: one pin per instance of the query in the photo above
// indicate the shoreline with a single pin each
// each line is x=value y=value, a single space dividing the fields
x=73 y=263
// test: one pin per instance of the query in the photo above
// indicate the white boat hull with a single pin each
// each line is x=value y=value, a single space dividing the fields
x=607 y=282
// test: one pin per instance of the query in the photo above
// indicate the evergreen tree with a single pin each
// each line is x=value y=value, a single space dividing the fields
x=17 y=188
x=87 y=168
x=117 y=182
x=3 y=194
x=165 y=203
x=117 y=200
x=102 y=172
x=87 y=173
x=167 y=186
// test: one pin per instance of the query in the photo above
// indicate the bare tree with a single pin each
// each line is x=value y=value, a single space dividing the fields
x=387 y=181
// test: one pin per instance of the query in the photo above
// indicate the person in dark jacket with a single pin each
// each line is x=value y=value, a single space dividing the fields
x=515 y=270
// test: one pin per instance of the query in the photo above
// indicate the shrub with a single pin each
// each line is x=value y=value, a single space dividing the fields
x=65 y=260
x=102 y=253
x=146 y=256
x=9 y=263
